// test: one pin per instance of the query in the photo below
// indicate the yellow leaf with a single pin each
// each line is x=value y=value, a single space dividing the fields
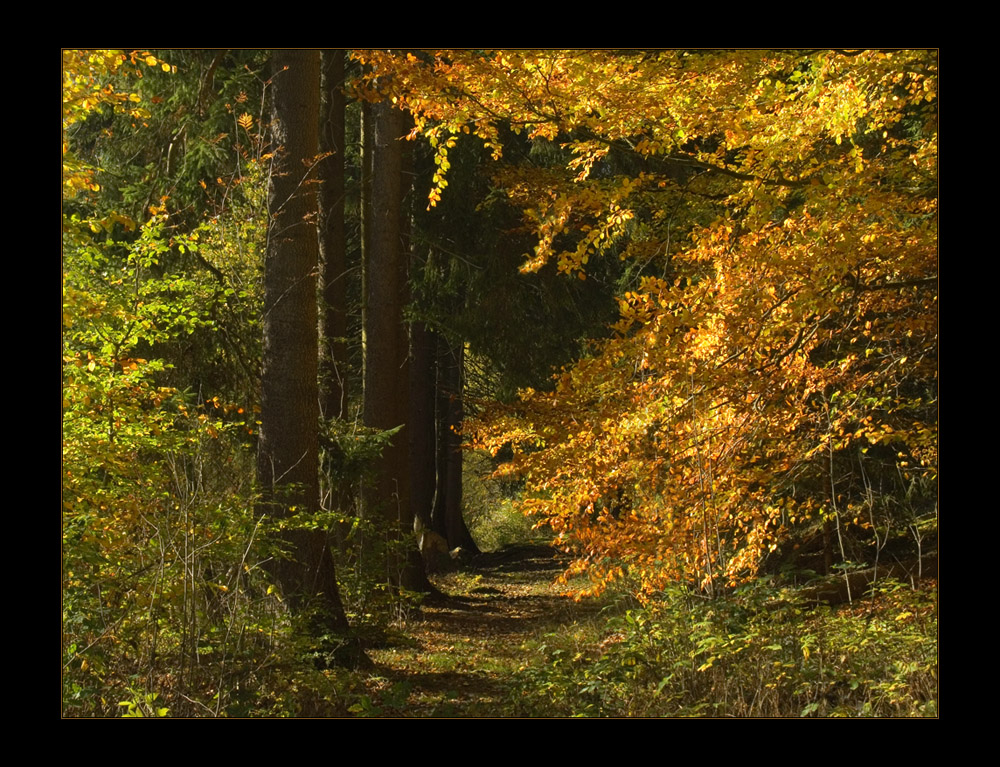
x=151 y=61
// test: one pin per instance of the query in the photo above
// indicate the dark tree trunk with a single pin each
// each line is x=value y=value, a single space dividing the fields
x=387 y=387
x=367 y=150
x=423 y=462
x=443 y=441
x=288 y=458
x=337 y=490
x=448 y=519
x=332 y=238
x=414 y=574
x=423 y=366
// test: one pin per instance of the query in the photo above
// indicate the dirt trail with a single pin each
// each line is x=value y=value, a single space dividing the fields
x=465 y=652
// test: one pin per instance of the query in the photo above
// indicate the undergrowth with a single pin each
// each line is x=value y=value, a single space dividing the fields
x=490 y=509
x=759 y=652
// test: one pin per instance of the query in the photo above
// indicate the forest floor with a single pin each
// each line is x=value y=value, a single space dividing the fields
x=461 y=657
x=507 y=642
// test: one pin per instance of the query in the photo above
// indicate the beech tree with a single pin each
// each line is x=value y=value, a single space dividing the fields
x=777 y=346
x=761 y=224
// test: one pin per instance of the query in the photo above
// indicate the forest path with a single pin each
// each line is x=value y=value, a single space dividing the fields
x=464 y=654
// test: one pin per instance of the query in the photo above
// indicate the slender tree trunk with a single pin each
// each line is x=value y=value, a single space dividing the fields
x=332 y=238
x=367 y=150
x=442 y=444
x=336 y=491
x=423 y=462
x=448 y=504
x=414 y=571
x=423 y=435
x=288 y=458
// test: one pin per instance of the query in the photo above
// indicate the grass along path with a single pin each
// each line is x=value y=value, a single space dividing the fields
x=459 y=659
x=508 y=644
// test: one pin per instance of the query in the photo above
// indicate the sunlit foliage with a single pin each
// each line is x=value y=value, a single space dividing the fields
x=776 y=357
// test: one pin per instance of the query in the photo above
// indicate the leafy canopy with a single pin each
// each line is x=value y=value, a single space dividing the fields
x=775 y=360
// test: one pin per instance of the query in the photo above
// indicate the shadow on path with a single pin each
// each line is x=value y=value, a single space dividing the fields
x=467 y=651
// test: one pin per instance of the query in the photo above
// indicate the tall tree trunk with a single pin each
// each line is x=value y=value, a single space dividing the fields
x=387 y=388
x=336 y=490
x=367 y=150
x=288 y=457
x=332 y=237
x=423 y=367
x=414 y=571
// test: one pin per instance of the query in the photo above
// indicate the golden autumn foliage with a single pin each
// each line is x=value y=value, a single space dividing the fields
x=87 y=88
x=775 y=361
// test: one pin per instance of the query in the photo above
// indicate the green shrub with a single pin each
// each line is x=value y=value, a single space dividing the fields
x=758 y=652
x=489 y=508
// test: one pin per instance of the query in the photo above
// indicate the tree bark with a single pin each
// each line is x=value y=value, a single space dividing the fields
x=367 y=132
x=288 y=456
x=423 y=462
x=387 y=387
x=332 y=237
x=337 y=492
x=448 y=519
